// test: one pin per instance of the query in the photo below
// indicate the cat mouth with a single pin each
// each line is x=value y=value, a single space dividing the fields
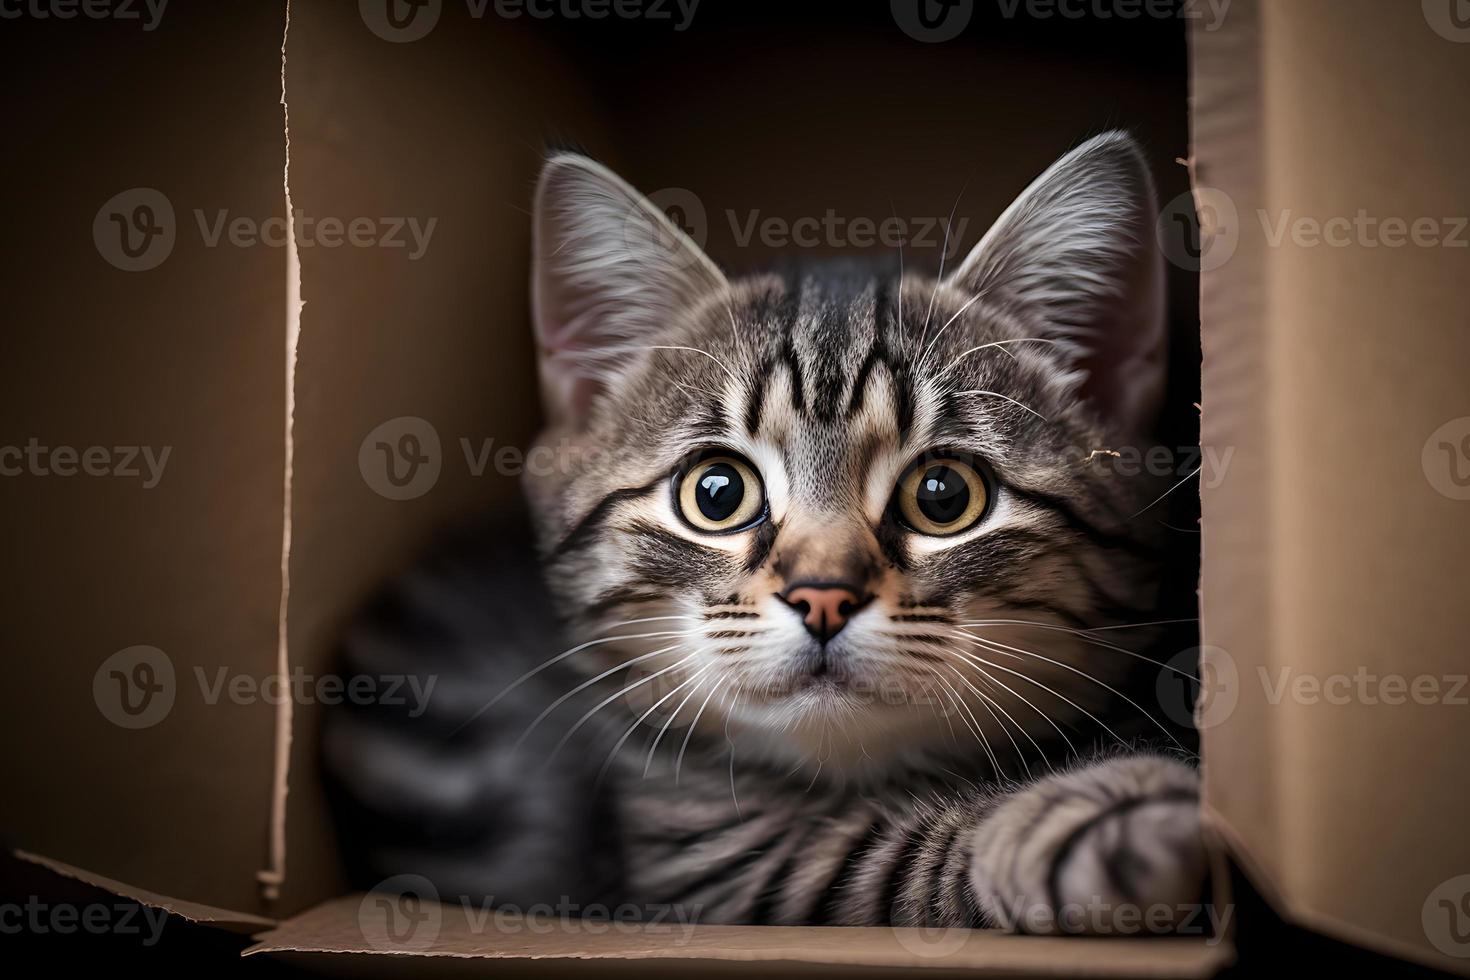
x=823 y=673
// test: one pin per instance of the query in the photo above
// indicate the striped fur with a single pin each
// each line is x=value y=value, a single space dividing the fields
x=949 y=758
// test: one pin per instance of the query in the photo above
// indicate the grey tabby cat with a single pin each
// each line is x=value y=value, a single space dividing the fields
x=835 y=552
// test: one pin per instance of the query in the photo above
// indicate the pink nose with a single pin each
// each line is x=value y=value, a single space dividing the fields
x=825 y=609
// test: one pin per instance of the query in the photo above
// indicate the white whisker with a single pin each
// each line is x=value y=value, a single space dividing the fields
x=1054 y=693
x=997 y=647
x=577 y=649
x=695 y=350
x=586 y=684
x=943 y=253
x=618 y=746
x=669 y=721
x=996 y=394
x=614 y=696
x=1187 y=478
x=990 y=705
x=1086 y=635
x=679 y=761
x=924 y=355
x=998 y=345
x=973 y=724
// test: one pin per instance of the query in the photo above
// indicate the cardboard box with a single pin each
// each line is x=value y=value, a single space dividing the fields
x=267 y=363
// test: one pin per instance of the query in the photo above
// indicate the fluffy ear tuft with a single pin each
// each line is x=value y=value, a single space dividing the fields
x=610 y=275
x=1077 y=252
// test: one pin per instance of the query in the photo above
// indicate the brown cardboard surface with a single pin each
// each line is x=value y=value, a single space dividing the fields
x=1335 y=547
x=239 y=922
x=348 y=926
x=432 y=337
x=185 y=356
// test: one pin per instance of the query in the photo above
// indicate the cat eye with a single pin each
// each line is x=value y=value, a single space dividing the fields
x=941 y=494
x=719 y=492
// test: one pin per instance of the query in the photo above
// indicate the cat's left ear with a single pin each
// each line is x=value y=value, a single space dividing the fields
x=1077 y=252
x=611 y=276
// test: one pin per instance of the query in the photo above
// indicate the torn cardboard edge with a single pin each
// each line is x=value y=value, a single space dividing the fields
x=242 y=923
x=349 y=925
x=274 y=874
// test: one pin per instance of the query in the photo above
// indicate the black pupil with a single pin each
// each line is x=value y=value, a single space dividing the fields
x=720 y=491
x=943 y=495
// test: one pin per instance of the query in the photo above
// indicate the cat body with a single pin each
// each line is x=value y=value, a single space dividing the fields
x=849 y=611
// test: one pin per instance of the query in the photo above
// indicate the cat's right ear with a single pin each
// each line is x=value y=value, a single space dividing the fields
x=611 y=275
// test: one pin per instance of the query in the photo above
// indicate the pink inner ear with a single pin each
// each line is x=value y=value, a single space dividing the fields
x=565 y=333
x=1126 y=369
x=568 y=387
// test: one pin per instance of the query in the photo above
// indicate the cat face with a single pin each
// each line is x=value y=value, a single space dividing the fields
x=820 y=504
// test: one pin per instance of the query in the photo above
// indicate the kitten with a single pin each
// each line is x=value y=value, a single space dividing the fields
x=832 y=549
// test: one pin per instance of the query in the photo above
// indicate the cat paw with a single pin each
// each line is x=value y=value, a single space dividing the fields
x=1113 y=848
x=1143 y=860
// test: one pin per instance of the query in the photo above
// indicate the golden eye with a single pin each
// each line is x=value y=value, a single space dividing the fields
x=720 y=493
x=942 y=495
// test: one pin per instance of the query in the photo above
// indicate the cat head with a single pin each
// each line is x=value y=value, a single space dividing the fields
x=857 y=504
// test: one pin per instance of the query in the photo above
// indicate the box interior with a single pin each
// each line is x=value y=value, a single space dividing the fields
x=1325 y=369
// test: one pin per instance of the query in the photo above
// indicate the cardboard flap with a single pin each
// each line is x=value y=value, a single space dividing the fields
x=375 y=924
x=144 y=388
x=242 y=923
x=1329 y=163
